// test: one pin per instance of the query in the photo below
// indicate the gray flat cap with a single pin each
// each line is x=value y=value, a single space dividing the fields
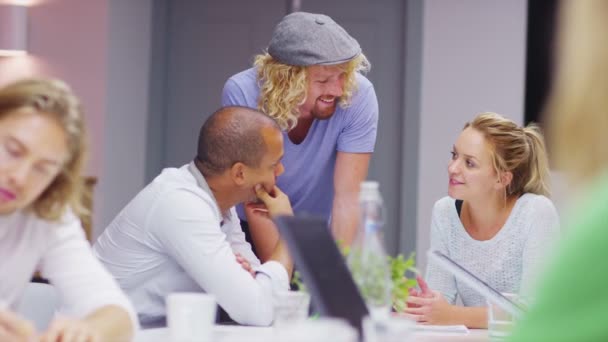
x=304 y=39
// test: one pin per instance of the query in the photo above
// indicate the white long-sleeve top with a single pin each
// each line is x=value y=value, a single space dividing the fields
x=172 y=237
x=509 y=262
x=60 y=251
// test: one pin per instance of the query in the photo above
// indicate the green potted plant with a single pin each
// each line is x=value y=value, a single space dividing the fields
x=371 y=281
x=400 y=268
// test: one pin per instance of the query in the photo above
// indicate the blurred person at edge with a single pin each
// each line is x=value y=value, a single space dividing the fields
x=572 y=301
x=42 y=153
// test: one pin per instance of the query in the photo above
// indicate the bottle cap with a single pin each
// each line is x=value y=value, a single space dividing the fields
x=369 y=185
x=370 y=191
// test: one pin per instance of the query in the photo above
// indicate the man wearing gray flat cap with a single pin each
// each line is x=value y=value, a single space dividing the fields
x=310 y=81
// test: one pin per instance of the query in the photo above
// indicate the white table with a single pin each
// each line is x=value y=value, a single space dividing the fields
x=221 y=333
x=236 y=333
x=474 y=335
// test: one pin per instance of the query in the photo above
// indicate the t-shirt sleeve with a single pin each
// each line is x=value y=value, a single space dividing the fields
x=190 y=234
x=437 y=278
x=232 y=94
x=359 y=132
x=83 y=283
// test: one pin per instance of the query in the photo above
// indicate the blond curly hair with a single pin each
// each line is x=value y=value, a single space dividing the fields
x=283 y=87
x=55 y=99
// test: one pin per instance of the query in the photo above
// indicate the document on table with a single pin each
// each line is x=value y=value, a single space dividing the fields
x=443 y=329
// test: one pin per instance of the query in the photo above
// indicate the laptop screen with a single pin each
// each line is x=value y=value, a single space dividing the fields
x=324 y=272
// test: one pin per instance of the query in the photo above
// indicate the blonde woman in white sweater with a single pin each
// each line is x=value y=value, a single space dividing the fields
x=42 y=152
x=497 y=221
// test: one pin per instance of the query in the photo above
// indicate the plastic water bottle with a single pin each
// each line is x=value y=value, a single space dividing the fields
x=367 y=258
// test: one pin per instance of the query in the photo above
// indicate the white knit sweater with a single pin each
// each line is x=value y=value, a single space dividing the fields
x=509 y=262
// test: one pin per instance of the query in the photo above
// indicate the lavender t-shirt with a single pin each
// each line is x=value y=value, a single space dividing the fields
x=309 y=166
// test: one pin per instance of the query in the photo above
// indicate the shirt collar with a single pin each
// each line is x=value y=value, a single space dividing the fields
x=202 y=183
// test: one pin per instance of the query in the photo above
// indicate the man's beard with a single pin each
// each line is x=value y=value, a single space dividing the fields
x=325 y=112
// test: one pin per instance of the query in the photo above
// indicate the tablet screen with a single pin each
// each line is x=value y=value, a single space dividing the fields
x=473 y=281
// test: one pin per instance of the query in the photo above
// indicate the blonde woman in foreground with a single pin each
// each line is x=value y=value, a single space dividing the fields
x=572 y=301
x=497 y=222
x=42 y=152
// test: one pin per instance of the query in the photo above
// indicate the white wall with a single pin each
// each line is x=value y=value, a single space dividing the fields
x=67 y=39
x=473 y=60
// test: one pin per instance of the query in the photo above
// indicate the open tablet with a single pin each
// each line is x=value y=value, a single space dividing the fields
x=479 y=285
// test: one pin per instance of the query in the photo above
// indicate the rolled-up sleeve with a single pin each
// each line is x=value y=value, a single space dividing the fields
x=361 y=128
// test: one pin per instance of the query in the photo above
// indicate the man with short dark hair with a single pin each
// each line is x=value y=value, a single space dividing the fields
x=181 y=232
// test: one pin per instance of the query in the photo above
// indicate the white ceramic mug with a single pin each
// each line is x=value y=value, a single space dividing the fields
x=191 y=316
x=290 y=306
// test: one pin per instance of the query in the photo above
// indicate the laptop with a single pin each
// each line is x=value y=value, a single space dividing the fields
x=467 y=277
x=324 y=272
